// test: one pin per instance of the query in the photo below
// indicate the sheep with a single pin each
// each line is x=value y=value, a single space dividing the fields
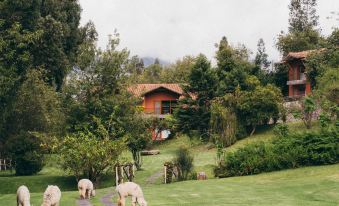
x=130 y=189
x=52 y=196
x=86 y=189
x=23 y=196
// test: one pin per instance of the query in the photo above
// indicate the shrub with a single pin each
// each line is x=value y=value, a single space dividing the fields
x=184 y=163
x=281 y=130
x=25 y=151
x=85 y=154
x=297 y=150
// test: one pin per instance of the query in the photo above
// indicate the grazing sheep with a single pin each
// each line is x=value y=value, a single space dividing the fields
x=52 y=196
x=22 y=196
x=130 y=189
x=86 y=189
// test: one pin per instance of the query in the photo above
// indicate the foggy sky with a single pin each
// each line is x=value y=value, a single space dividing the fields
x=171 y=29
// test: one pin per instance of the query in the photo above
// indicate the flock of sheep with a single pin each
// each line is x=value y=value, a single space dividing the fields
x=52 y=194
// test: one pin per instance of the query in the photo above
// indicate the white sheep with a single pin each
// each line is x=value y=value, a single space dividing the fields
x=23 y=196
x=86 y=189
x=130 y=189
x=52 y=196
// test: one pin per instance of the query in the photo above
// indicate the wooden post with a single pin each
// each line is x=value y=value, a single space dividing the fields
x=5 y=164
x=116 y=176
x=165 y=173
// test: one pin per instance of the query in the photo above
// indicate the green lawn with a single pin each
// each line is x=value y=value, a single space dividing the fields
x=304 y=186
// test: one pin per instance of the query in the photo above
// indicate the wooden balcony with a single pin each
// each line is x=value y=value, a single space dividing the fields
x=296 y=82
x=301 y=80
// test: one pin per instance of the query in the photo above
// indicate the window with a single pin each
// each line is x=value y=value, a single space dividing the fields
x=167 y=107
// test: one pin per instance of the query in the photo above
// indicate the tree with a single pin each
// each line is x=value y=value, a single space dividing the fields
x=24 y=149
x=138 y=137
x=99 y=91
x=179 y=71
x=152 y=73
x=261 y=56
x=89 y=155
x=184 y=163
x=223 y=124
x=302 y=15
x=37 y=107
x=299 y=41
x=55 y=23
x=259 y=105
x=302 y=32
x=194 y=114
x=232 y=67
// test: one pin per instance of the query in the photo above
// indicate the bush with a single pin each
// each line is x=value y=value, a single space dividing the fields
x=292 y=151
x=25 y=151
x=281 y=130
x=184 y=163
x=89 y=155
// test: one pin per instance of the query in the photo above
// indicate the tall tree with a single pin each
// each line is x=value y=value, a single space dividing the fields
x=302 y=34
x=194 y=113
x=232 y=66
x=261 y=58
x=302 y=15
x=56 y=23
x=179 y=71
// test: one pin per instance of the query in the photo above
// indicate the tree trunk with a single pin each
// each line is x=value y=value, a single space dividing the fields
x=137 y=159
x=253 y=130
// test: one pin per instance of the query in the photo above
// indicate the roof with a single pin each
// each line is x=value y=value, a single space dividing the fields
x=142 y=89
x=300 y=55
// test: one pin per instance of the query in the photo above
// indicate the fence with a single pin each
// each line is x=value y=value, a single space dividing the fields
x=6 y=164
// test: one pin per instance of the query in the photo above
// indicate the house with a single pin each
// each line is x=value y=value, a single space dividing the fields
x=298 y=82
x=158 y=100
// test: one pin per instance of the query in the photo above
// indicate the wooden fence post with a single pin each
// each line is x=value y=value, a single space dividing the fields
x=165 y=173
x=116 y=176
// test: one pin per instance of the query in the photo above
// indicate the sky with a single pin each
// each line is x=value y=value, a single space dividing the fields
x=171 y=29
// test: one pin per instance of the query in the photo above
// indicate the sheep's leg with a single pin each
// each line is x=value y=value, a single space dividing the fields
x=81 y=193
x=123 y=201
x=134 y=200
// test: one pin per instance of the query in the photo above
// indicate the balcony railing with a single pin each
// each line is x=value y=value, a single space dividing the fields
x=302 y=80
x=159 y=112
x=295 y=82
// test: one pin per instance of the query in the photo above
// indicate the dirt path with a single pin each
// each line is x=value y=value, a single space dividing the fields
x=107 y=199
x=83 y=202
x=153 y=178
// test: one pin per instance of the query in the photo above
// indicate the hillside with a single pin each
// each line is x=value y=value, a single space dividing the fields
x=303 y=186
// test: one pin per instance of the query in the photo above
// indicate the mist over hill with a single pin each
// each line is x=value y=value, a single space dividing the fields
x=150 y=60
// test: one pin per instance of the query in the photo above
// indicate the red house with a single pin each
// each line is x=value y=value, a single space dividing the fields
x=159 y=100
x=298 y=82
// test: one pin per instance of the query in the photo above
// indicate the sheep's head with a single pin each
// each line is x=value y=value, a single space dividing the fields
x=93 y=193
x=142 y=202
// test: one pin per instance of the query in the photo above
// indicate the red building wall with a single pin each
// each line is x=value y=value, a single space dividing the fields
x=294 y=74
x=151 y=98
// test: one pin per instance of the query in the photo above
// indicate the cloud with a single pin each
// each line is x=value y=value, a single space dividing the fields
x=170 y=29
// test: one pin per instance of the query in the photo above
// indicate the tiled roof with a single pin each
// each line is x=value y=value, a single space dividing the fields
x=142 y=89
x=300 y=55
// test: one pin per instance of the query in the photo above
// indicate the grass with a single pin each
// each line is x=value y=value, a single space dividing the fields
x=304 y=186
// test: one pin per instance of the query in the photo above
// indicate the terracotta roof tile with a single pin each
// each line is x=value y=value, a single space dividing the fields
x=300 y=55
x=142 y=89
